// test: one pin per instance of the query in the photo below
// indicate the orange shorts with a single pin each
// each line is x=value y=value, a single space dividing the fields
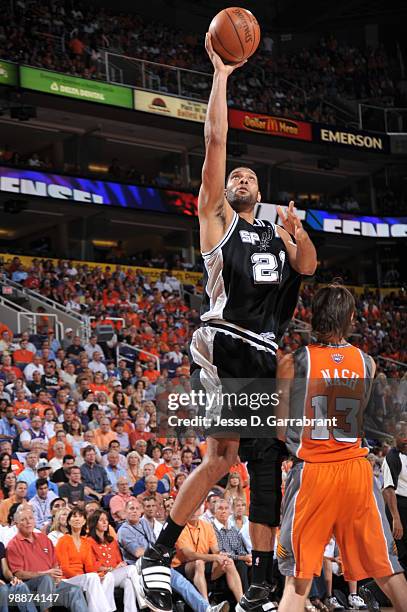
x=341 y=499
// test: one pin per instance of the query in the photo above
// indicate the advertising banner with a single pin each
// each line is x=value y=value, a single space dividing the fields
x=273 y=126
x=353 y=139
x=105 y=193
x=75 y=87
x=8 y=73
x=93 y=191
x=346 y=224
x=169 y=106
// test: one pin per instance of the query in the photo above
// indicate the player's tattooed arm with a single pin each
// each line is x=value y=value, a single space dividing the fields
x=301 y=254
x=215 y=214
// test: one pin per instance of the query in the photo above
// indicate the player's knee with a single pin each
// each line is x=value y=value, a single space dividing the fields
x=217 y=467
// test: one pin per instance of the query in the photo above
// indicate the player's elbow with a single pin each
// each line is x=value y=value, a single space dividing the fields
x=213 y=138
x=307 y=269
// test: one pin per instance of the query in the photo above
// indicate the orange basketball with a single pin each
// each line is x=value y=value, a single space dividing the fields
x=235 y=34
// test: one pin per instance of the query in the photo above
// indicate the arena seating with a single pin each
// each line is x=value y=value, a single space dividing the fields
x=82 y=399
x=300 y=85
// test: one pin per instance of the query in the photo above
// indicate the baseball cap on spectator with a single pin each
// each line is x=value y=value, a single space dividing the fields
x=86 y=393
x=167 y=448
x=117 y=383
x=68 y=330
x=43 y=465
x=213 y=492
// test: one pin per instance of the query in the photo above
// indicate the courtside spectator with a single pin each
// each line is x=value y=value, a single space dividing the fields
x=31 y=558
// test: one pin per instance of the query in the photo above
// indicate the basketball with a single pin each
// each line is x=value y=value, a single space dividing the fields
x=235 y=34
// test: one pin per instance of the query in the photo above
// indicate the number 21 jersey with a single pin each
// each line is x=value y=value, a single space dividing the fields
x=248 y=280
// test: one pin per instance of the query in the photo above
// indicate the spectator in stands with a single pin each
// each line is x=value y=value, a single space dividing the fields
x=133 y=467
x=165 y=467
x=93 y=346
x=61 y=476
x=230 y=541
x=73 y=351
x=118 y=502
x=31 y=558
x=34 y=432
x=234 y=489
x=29 y=474
x=151 y=490
x=8 y=485
x=41 y=504
x=133 y=541
x=34 y=366
x=97 y=365
x=94 y=476
x=43 y=471
x=73 y=491
x=19 y=496
x=57 y=460
x=113 y=469
x=238 y=518
x=187 y=465
x=12 y=587
x=104 y=435
x=109 y=563
x=10 y=428
x=151 y=511
x=122 y=436
x=199 y=559
x=78 y=566
x=59 y=525
x=139 y=433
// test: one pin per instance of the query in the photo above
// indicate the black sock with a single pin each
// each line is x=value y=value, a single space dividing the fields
x=169 y=533
x=260 y=563
x=270 y=570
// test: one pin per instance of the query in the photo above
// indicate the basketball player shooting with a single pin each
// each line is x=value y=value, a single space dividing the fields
x=252 y=278
x=331 y=490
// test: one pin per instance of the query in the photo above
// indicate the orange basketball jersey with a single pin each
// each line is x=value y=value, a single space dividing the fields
x=331 y=387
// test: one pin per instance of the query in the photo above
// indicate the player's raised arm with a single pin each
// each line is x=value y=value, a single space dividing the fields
x=214 y=211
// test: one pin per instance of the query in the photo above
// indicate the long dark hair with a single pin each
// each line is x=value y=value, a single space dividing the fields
x=92 y=524
x=74 y=512
x=2 y=455
x=332 y=310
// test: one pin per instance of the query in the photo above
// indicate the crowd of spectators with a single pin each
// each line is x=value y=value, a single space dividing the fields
x=86 y=452
x=72 y=37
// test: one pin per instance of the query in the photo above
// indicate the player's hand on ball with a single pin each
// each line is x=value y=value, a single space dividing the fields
x=216 y=60
x=291 y=223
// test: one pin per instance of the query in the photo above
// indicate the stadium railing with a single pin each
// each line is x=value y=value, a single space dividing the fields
x=129 y=353
x=64 y=315
x=149 y=75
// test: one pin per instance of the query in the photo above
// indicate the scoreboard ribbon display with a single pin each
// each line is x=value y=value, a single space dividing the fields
x=93 y=191
x=24 y=182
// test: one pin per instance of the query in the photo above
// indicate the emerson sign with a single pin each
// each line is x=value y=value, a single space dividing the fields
x=364 y=141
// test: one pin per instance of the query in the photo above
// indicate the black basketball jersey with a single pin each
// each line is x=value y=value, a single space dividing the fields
x=249 y=281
